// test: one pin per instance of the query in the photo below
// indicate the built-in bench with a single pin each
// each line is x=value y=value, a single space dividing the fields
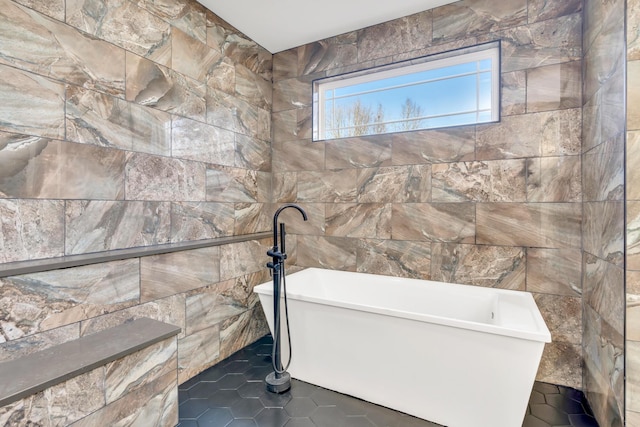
x=28 y=375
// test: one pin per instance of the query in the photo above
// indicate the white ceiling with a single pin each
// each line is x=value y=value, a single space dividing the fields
x=279 y=25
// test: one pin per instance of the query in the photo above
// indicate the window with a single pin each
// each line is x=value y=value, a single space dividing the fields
x=454 y=88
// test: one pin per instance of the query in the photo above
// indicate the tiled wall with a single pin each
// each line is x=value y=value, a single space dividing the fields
x=492 y=205
x=125 y=124
x=632 y=368
x=603 y=214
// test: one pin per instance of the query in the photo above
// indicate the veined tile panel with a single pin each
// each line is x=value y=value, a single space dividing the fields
x=303 y=155
x=400 y=258
x=43 y=301
x=358 y=152
x=489 y=181
x=199 y=141
x=253 y=87
x=338 y=253
x=488 y=266
x=33 y=42
x=124 y=24
x=238 y=259
x=554 y=179
x=94 y=226
x=52 y=8
x=161 y=178
x=168 y=274
x=160 y=87
x=513 y=88
x=540 y=10
x=188 y=16
x=335 y=52
x=466 y=18
x=235 y=114
x=248 y=54
x=554 y=87
x=191 y=56
x=228 y=184
x=327 y=186
x=29 y=344
x=437 y=222
x=563 y=316
x=633 y=95
x=554 y=271
x=216 y=303
x=365 y=220
x=603 y=171
x=603 y=230
x=201 y=220
x=252 y=153
x=408 y=184
x=197 y=352
x=32 y=104
x=543 y=225
x=402 y=34
x=251 y=218
x=31 y=229
x=434 y=146
x=41 y=168
x=242 y=330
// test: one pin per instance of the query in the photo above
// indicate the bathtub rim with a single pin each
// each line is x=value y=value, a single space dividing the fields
x=541 y=334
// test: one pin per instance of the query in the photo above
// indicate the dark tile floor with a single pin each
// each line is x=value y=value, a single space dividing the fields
x=232 y=394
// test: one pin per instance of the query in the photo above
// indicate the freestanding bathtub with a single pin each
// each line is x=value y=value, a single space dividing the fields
x=456 y=355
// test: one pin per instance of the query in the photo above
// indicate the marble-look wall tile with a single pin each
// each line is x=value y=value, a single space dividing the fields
x=603 y=230
x=540 y=10
x=93 y=226
x=30 y=344
x=543 y=225
x=291 y=94
x=188 y=16
x=212 y=305
x=285 y=64
x=554 y=87
x=434 y=146
x=31 y=229
x=169 y=310
x=203 y=220
x=160 y=178
x=232 y=113
x=155 y=404
x=633 y=235
x=326 y=54
x=603 y=171
x=173 y=273
x=99 y=119
x=513 y=98
x=563 y=316
x=554 y=179
x=402 y=34
x=302 y=155
x=124 y=24
x=245 y=52
x=409 y=184
x=437 y=222
x=337 y=253
x=198 y=141
x=160 y=87
x=632 y=369
x=226 y=184
x=327 y=186
x=491 y=181
x=560 y=134
x=130 y=373
x=561 y=364
x=253 y=88
x=465 y=18
x=488 y=266
x=359 y=152
x=31 y=104
x=242 y=330
x=51 y=8
x=42 y=301
x=633 y=30
x=252 y=153
x=251 y=218
x=191 y=56
x=603 y=291
x=284 y=187
x=59 y=405
x=633 y=95
x=197 y=352
x=394 y=258
x=364 y=220
x=238 y=259
x=315 y=224
x=552 y=41
x=632 y=164
x=47 y=47
x=554 y=271
x=34 y=167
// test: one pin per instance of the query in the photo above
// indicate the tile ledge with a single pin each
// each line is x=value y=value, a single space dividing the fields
x=40 y=265
x=38 y=371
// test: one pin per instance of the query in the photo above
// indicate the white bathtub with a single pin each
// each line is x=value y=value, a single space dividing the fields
x=457 y=355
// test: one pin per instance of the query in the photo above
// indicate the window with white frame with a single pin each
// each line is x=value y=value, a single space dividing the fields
x=455 y=88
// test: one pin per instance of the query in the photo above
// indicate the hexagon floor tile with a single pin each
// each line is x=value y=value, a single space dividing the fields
x=232 y=393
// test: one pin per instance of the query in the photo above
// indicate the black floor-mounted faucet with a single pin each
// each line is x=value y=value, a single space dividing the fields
x=279 y=380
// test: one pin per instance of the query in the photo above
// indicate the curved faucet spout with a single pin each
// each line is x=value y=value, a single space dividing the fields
x=275 y=219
